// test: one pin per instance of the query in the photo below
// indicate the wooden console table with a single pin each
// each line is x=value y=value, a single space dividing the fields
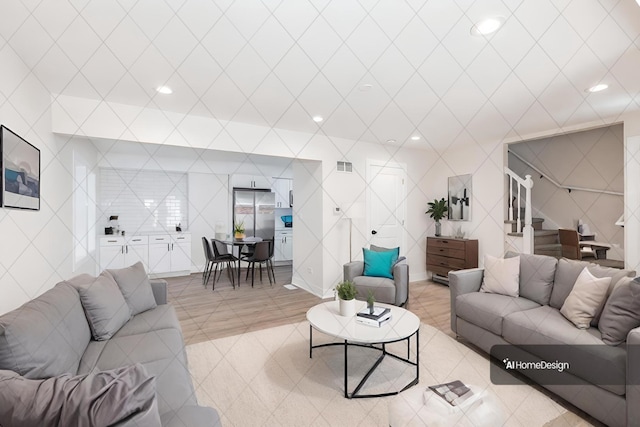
x=445 y=254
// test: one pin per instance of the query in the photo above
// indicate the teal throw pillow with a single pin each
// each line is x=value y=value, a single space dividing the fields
x=378 y=264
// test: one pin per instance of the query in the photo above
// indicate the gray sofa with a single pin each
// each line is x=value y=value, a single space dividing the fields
x=533 y=326
x=51 y=337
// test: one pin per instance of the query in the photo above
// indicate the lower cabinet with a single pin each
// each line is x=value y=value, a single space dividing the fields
x=169 y=253
x=159 y=253
x=283 y=248
x=120 y=252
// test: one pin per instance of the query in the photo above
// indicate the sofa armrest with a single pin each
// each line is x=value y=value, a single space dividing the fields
x=463 y=282
x=159 y=288
x=401 y=279
x=633 y=377
x=353 y=270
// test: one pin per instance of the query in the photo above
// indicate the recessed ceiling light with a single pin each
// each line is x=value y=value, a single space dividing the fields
x=598 y=87
x=365 y=87
x=487 y=26
x=317 y=119
x=165 y=90
x=415 y=138
x=391 y=141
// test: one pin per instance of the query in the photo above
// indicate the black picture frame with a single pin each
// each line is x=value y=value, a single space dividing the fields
x=20 y=168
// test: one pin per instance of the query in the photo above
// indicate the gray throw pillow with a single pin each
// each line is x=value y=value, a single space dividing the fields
x=105 y=307
x=135 y=286
x=621 y=312
x=536 y=276
x=101 y=399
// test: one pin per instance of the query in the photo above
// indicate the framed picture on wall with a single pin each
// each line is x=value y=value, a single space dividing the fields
x=20 y=172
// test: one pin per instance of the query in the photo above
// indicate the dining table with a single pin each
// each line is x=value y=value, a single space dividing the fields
x=239 y=243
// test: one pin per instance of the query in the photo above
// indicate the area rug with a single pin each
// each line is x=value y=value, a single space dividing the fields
x=267 y=378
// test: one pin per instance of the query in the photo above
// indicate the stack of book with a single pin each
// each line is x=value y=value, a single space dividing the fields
x=379 y=317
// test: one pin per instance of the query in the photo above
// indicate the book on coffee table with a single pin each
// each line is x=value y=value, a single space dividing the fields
x=378 y=313
x=373 y=322
x=455 y=392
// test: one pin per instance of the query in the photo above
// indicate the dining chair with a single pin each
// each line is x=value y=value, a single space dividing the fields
x=570 y=242
x=260 y=256
x=221 y=256
x=210 y=259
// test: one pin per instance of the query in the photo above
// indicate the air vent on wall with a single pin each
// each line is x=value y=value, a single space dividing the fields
x=345 y=167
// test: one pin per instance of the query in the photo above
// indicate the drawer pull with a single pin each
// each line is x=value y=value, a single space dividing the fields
x=112 y=241
x=136 y=240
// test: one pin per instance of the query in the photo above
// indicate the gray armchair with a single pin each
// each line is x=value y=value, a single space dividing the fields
x=390 y=291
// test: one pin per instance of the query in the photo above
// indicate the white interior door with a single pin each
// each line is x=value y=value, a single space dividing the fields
x=386 y=205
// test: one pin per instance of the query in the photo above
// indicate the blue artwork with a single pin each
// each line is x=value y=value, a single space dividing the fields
x=21 y=172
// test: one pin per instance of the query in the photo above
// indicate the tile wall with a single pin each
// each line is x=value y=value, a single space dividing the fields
x=145 y=201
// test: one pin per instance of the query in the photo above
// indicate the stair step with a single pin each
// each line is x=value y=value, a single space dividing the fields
x=536 y=223
x=537 y=233
x=554 y=250
x=513 y=221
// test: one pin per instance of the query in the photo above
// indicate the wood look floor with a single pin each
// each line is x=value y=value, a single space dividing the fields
x=205 y=314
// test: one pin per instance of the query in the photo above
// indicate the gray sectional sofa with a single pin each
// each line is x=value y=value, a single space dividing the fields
x=603 y=379
x=54 y=337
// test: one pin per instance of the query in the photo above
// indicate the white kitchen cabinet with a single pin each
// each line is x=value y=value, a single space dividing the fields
x=250 y=181
x=120 y=252
x=282 y=188
x=169 y=253
x=283 y=249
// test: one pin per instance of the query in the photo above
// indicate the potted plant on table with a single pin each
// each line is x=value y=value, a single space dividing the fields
x=347 y=295
x=438 y=210
x=238 y=230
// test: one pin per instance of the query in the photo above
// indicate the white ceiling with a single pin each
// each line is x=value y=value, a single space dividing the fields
x=279 y=62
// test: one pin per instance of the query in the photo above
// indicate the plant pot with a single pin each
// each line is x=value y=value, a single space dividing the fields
x=239 y=235
x=371 y=307
x=347 y=307
x=438 y=229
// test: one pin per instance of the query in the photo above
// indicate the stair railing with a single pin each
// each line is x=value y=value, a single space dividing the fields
x=523 y=224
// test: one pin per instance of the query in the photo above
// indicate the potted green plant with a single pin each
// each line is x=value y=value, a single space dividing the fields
x=347 y=296
x=238 y=230
x=437 y=210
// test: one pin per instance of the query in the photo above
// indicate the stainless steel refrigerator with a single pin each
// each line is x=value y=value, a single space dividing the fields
x=256 y=209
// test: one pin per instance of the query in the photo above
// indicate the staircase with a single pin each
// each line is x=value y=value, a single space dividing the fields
x=545 y=242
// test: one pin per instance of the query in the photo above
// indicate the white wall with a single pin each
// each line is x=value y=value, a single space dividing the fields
x=589 y=159
x=38 y=246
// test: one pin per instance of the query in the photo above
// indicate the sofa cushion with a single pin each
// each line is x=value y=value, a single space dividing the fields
x=103 y=303
x=384 y=290
x=162 y=354
x=161 y=317
x=566 y=274
x=46 y=336
x=587 y=295
x=126 y=394
x=501 y=275
x=546 y=333
x=135 y=286
x=621 y=312
x=487 y=310
x=536 y=276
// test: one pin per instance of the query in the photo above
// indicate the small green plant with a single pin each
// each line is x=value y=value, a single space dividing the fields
x=371 y=298
x=346 y=290
x=438 y=209
x=239 y=227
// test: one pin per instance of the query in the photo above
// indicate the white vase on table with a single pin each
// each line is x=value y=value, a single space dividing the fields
x=347 y=307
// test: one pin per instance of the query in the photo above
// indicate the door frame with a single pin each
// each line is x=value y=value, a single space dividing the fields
x=369 y=176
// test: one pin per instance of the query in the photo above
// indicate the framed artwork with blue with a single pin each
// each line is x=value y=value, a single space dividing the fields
x=20 y=172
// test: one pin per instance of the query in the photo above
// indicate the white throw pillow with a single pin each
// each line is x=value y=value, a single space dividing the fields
x=586 y=297
x=501 y=276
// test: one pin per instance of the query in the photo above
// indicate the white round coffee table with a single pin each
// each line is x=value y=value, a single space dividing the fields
x=403 y=325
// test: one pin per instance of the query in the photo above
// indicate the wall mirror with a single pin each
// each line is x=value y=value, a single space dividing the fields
x=460 y=198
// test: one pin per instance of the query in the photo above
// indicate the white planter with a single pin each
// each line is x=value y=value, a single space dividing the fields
x=347 y=308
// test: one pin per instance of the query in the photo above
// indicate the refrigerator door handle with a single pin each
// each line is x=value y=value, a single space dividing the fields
x=290 y=198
